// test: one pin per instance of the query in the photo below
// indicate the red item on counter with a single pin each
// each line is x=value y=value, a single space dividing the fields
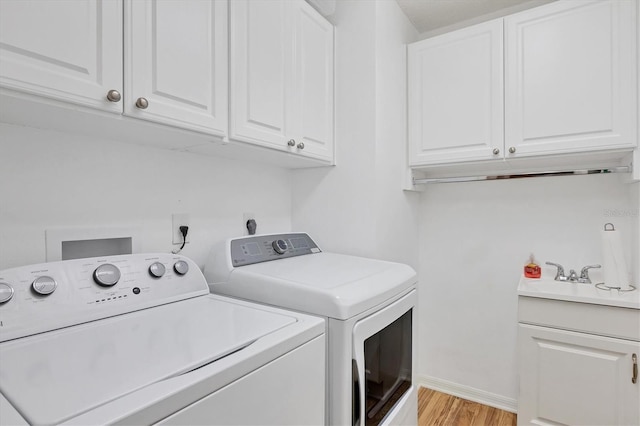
x=532 y=271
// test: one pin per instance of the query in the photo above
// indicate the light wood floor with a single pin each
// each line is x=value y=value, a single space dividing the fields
x=436 y=408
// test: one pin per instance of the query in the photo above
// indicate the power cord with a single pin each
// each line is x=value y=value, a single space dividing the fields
x=183 y=230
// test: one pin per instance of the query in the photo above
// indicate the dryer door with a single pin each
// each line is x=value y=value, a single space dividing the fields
x=383 y=357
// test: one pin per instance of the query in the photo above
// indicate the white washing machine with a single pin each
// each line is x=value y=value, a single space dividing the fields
x=138 y=339
x=369 y=305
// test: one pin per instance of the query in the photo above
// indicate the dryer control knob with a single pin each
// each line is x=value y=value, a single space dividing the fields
x=157 y=270
x=6 y=292
x=106 y=275
x=181 y=267
x=280 y=246
x=44 y=285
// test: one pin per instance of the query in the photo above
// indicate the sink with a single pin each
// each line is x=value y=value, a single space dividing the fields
x=548 y=288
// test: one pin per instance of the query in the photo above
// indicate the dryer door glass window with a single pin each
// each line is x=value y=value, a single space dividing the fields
x=387 y=361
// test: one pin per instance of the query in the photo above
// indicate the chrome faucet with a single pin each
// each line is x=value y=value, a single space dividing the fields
x=584 y=273
x=573 y=276
x=559 y=273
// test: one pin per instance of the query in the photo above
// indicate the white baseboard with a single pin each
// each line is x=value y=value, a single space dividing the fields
x=467 y=392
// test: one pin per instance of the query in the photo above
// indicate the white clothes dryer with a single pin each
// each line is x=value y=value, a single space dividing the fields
x=138 y=339
x=369 y=306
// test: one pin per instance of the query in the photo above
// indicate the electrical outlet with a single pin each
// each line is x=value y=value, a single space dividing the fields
x=178 y=220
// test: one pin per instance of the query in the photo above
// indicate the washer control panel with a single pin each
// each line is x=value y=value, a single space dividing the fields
x=47 y=296
x=263 y=248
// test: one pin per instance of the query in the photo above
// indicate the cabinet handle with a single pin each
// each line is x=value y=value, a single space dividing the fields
x=300 y=145
x=634 y=375
x=291 y=142
x=113 y=96
x=512 y=150
x=142 y=103
x=496 y=151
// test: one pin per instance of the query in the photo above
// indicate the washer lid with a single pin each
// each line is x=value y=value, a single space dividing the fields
x=327 y=284
x=55 y=376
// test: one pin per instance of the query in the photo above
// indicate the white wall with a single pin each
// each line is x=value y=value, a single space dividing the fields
x=634 y=215
x=51 y=180
x=474 y=240
x=334 y=205
x=396 y=210
x=358 y=207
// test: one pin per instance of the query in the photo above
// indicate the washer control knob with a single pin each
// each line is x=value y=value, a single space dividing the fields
x=106 y=275
x=181 y=267
x=6 y=292
x=157 y=269
x=44 y=285
x=280 y=246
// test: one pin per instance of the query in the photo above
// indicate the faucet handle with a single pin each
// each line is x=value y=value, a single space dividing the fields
x=584 y=274
x=559 y=273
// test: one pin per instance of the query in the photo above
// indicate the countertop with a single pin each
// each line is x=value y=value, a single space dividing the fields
x=548 y=288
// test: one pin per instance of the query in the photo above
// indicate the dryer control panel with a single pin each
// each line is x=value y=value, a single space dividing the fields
x=263 y=248
x=47 y=296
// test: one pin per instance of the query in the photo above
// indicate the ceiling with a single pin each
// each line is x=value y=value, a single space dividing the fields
x=431 y=15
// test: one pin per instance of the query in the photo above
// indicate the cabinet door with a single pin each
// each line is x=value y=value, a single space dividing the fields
x=65 y=50
x=576 y=378
x=312 y=104
x=176 y=59
x=456 y=97
x=570 y=77
x=260 y=71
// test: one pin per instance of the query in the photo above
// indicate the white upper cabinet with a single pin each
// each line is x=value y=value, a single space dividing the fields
x=569 y=87
x=570 y=77
x=65 y=50
x=173 y=57
x=281 y=77
x=312 y=123
x=455 y=96
x=260 y=70
x=176 y=63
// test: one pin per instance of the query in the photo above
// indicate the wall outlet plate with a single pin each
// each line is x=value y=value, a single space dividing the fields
x=178 y=220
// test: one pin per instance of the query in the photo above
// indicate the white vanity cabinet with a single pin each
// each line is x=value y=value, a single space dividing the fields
x=281 y=77
x=569 y=86
x=164 y=61
x=576 y=363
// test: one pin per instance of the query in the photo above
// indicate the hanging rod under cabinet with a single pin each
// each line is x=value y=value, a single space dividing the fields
x=610 y=170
